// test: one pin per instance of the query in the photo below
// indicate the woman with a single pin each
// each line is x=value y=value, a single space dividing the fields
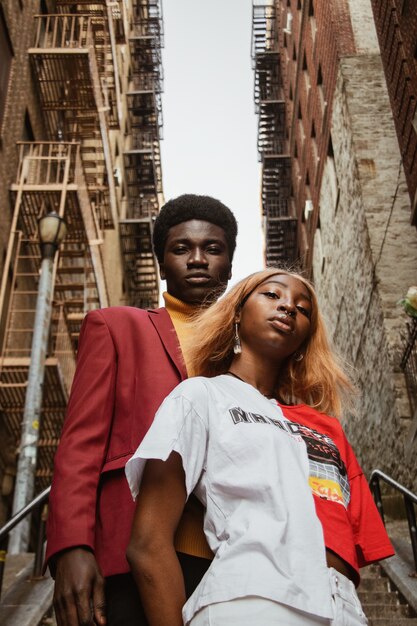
x=225 y=437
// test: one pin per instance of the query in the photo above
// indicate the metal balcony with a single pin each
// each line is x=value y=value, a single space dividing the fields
x=114 y=10
x=281 y=241
x=145 y=112
x=72 y=60
x=276 y=185
x=147 y=19
x=271 y=128
x=140 y=264
x=264 y=29
x=59 y=371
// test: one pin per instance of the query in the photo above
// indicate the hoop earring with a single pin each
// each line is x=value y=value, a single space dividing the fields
x=237 y=347
x=298 y=356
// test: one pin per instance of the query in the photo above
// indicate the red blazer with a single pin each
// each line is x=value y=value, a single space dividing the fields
x=128 y=361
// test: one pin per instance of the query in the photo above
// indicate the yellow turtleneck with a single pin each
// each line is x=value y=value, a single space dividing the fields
x=189 y=537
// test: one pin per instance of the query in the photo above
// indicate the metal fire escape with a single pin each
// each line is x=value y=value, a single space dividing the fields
x=142 y=156
x=75 y=59
x=279 y=224
x=75 y=66
x=50 y=177
x=74 y=62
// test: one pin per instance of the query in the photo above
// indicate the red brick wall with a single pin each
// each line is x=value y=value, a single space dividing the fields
x=21 y=97
x=396 y=25
x=321 y=33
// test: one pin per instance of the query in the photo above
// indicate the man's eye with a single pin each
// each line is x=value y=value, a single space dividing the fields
x=179 y=250
x=213 y=250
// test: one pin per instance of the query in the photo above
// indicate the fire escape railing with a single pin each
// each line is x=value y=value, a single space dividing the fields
x=36 y=506
x=410 y=500
x=279 y=224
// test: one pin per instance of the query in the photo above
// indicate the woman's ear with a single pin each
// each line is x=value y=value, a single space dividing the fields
x=237 y=318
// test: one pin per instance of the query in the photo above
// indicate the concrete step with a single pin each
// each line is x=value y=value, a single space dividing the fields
x=380 y=584
x=384 y=610
x=26 y=600
x=389 y=621
x=378 y=597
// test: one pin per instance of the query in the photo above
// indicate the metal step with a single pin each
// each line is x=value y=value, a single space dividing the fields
x=26 y=600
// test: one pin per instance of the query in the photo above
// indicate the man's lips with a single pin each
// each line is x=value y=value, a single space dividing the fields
x=198 y=279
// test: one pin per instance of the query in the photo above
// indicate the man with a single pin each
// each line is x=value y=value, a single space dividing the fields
x=128 y=361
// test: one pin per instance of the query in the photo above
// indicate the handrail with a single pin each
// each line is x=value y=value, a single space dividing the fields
x=37 y=503
x=410 y=499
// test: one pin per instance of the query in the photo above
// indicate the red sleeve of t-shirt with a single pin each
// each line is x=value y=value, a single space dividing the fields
x=371 y=539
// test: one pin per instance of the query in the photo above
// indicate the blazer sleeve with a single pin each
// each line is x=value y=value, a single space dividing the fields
x=81 y=453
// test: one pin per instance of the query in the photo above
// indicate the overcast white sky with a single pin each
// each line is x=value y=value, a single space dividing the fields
x=210 y=126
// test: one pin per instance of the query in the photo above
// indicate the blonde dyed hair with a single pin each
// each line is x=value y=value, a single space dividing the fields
x=317 y=380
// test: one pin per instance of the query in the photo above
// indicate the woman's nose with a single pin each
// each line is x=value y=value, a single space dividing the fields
x=288 y=308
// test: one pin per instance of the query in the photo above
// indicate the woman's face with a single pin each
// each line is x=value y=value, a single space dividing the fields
x=276 y=318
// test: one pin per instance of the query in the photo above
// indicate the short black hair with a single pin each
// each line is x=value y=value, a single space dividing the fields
x=190 y=206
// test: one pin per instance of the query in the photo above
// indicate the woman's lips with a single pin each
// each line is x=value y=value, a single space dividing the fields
x=280 y=324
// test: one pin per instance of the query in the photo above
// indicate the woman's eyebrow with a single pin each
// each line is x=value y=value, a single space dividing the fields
x=302 y=294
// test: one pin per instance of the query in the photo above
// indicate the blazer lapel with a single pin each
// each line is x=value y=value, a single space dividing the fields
x=165 y=329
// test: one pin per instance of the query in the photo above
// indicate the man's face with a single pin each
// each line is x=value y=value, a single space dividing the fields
x=196 y=262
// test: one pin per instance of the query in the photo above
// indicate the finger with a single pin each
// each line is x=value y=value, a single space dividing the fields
x=59 y=614
x=99 y=602
x=66 y=611
x=84 y=609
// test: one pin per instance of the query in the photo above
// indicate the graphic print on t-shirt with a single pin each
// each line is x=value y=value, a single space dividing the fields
x=328 y=476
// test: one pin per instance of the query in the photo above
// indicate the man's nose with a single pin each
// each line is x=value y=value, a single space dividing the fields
x=197 y=257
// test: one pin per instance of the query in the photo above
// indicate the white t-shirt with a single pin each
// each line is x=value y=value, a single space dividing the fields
x=251 y=474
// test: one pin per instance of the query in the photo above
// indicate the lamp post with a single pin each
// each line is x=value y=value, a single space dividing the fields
x=52 y=230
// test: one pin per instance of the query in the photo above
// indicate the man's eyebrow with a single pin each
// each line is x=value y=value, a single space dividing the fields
x=204 y=241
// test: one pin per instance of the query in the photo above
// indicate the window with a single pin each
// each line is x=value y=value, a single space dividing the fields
x=6 y=56
x=27 y=134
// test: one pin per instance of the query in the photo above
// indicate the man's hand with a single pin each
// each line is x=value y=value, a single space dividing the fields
x=79 y=589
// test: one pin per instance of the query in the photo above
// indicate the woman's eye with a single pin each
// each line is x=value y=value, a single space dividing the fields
x=304 y=311
x=271 y=294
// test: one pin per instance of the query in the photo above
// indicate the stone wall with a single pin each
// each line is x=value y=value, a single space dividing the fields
x=365 y=261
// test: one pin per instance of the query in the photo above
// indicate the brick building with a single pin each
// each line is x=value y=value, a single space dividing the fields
x=396 y=26
x=349 y=193
x=80 y=122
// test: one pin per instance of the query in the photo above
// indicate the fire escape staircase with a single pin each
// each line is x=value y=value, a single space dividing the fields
x=142 y=156
x=78 y=84
x=279 y=223
x=50 y=177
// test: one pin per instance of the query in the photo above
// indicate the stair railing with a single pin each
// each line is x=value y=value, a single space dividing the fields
x=37 y=505
x=410 y=499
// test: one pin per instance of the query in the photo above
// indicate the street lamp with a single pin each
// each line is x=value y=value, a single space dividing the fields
x=52 y=230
